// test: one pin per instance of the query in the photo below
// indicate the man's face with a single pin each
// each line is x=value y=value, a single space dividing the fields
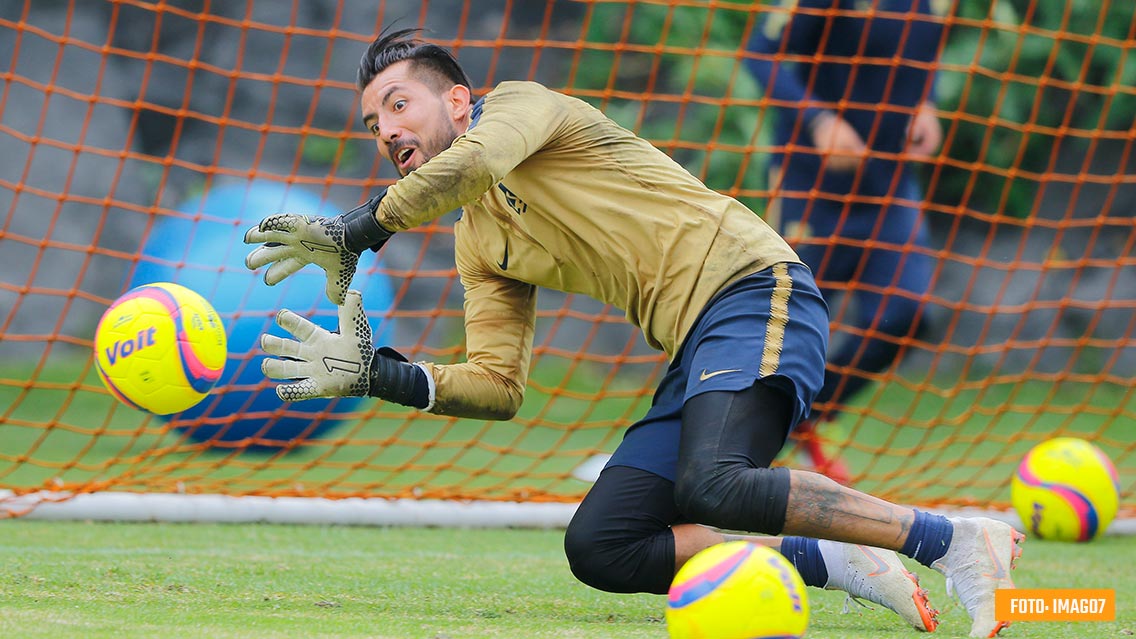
x=410 y=120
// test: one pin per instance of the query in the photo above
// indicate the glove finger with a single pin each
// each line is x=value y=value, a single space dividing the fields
x=275 y=228
x=352 y=317
x=280 y=271
x=267 y=254
x=284 y=368
x=281 y=347
x=254 y=235
x=335 y=293
x=298 y=326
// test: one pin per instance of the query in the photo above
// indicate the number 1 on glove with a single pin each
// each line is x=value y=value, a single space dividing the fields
x=318 y=362
x=322 y=363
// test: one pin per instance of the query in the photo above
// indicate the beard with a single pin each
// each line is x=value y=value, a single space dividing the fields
x=441 y=140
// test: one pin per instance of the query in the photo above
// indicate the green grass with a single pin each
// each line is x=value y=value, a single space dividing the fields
x=75 y=579
x=98 y=580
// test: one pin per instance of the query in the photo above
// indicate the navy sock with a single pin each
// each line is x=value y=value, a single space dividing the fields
x=804 y=554
x=929 y=538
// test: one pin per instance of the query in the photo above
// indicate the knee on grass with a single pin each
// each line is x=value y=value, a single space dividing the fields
x=624 y=565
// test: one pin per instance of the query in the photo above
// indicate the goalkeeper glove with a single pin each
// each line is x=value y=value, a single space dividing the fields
x=288 y=242
x=320 y=363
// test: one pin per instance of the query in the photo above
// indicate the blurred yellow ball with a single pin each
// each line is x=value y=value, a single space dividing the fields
x=1066 y=489
x=737 y=590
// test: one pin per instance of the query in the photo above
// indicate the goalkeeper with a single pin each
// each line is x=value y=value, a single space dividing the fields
x=556 y=195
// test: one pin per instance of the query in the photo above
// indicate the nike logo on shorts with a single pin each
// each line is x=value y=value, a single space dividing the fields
x=705 y=376
x=504 y=263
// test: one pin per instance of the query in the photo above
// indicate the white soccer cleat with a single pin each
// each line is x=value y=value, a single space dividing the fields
x=879 y=576
x=978 y=562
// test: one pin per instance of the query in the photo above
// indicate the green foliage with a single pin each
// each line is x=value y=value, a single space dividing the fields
x=1035 y=81
x=713 y=138
x=326 y=152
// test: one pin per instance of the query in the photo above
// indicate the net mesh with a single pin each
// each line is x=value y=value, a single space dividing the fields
x=141 y=138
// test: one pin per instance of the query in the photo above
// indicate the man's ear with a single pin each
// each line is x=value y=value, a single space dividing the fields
x=458 y=100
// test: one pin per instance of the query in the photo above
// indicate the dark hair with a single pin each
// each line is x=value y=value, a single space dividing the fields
x=389 y=48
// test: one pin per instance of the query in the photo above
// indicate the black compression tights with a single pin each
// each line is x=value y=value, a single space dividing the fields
x=619 y=540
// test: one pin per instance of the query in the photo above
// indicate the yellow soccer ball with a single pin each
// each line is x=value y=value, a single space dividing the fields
x=737 y=590
x=1066 y=489
x=160 y=348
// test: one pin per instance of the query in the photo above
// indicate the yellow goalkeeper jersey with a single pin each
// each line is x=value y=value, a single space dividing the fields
x=555 y=194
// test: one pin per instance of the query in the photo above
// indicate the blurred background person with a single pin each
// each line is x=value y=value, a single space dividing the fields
x=851 y=84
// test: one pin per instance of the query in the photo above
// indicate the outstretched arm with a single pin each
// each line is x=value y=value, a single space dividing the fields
x=517 y=119
x=500 y=319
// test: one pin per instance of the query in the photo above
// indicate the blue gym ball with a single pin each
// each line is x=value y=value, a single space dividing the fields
x=203 y=249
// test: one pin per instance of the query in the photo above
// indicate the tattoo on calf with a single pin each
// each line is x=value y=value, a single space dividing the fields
x=820 y=504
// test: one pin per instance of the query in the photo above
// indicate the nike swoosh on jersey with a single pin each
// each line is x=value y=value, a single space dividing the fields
x=705 y=376
x=504 y=263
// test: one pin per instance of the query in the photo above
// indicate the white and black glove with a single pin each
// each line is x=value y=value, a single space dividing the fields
x=320 y=363
x=288 y=242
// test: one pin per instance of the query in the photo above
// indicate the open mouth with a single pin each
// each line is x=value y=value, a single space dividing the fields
x=402 y=156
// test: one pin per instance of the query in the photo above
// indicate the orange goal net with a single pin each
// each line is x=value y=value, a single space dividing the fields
x=141 y=138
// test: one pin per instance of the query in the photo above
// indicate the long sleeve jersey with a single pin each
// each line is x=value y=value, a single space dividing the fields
x=869 y=61
x=554 y=194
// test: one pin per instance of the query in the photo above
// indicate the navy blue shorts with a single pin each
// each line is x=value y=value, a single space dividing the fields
x=770 y=326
